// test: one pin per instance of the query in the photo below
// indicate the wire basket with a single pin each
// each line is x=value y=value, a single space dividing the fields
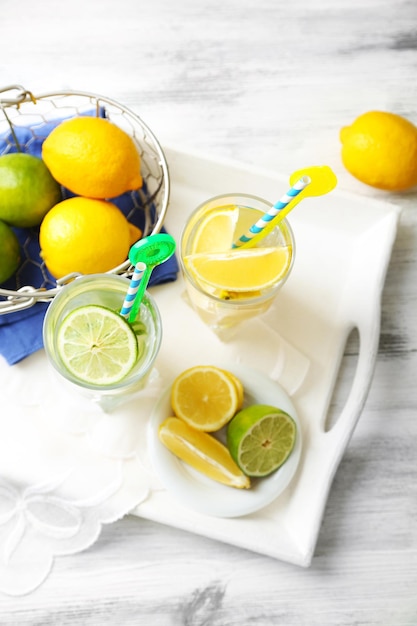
x=32 y=117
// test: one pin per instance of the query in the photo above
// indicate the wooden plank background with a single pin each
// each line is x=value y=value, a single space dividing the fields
x=268 y=83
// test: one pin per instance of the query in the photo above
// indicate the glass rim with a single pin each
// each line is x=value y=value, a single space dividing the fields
x=50 y=348
x=284 y=226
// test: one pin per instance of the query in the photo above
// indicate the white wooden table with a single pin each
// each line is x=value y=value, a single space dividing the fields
x=267 y=83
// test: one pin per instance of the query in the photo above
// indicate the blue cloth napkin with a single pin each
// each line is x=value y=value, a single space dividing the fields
x=21 y=331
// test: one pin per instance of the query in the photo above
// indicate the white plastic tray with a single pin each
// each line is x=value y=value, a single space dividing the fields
x=343 y=247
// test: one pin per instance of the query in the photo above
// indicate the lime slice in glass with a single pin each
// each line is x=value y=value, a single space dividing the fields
x=261 y=438
x=97 y=345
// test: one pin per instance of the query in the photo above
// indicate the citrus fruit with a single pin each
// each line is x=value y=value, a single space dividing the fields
x=215 y=231
x=93 y=157
x=205 y=397
x=239 y=388
x=380 y=149
x=9 y=252
x=240 y=270
x=203 y=452
x=97 y=345
x=261 y=438
x=27 y=190
x=84 y=235
x=135 y=233
x=221 y=227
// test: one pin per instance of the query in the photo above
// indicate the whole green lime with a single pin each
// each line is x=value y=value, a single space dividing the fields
x=9 y=252
x=27 y=190
x=260 y=439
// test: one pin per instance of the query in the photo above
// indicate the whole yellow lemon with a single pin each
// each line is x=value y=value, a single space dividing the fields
x=93 y=157
x=380 y=149
x=84 y=235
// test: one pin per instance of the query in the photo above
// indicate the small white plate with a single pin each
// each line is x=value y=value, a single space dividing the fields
x=194 y=490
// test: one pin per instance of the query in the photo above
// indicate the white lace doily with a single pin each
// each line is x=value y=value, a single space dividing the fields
x=66 y=468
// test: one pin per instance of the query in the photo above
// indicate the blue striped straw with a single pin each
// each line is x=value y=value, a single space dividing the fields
x=278 y=207
x=133 y=289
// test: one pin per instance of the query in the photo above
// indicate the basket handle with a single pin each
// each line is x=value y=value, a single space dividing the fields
x=21 y=95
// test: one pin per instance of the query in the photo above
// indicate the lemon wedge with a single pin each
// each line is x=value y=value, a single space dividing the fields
x=240 y=270
x=203 y=452
x=215 y=231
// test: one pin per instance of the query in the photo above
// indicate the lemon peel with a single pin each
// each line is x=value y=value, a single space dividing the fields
x=380 y=149
x=93 y=157
x=84 y=235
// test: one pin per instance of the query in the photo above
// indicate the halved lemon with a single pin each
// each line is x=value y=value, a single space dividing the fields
x=239 y=388
x=205 y=397
x=202 y=451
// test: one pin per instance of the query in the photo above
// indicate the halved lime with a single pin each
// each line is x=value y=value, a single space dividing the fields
x=97 y=345
x=261 y=438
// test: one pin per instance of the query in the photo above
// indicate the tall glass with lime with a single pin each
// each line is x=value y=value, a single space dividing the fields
x=227 y=285
x=92 y=347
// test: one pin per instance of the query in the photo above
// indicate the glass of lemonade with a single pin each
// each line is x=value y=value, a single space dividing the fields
x=128 y=349
x=227 y=285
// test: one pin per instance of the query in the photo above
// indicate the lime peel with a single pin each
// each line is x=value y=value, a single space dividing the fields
x=27 y=190
x=261 y=438
x=9 y=252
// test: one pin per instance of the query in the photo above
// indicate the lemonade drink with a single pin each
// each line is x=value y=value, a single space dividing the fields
x=226 y=286
x=108 y=291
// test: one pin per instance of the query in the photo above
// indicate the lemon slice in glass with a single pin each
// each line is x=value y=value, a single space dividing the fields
x=97 y=345
x=215 y=231
x=240 y=270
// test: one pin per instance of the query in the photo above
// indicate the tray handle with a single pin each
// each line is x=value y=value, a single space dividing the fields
x=363 y=299
x=349 y=415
